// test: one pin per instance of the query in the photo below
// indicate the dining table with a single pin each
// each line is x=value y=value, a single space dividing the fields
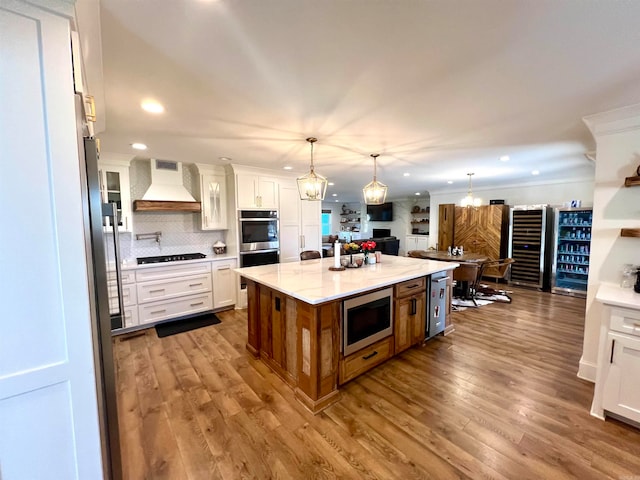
x=468 y=257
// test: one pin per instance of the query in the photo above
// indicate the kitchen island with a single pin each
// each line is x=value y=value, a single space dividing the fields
x=295 y=310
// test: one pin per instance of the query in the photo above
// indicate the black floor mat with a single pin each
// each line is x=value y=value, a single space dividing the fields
x=179 y=326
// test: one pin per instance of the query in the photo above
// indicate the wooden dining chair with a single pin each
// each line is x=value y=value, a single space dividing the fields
x=309 y=254
x=467 y=274
x=496 y=270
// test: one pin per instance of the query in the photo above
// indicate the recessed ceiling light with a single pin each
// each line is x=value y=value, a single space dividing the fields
x=417 y=193
x=334 y=194
x=331 y=184
x=504 y=158
x=224 y=159
x=535 y=172
x=288 y=167
x=337 y=200
x=138 y=146
x=450 y=182
x=406 y=174
x=152 y=106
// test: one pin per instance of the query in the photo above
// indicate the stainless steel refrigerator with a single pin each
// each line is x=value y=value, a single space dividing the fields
x=572 y=248
x=102 y=320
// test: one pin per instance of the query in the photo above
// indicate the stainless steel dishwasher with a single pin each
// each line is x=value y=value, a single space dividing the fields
x=436 y=310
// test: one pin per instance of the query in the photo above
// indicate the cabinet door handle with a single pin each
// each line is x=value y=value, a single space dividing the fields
x=195 y=284
x=414 y=306
x=156 y=291
x=158 y=311
x=613 y=346
x=224 y=268
x=126 y=223
x=206 y=221
x=414 y=285
x=197 y=303
x=371 y=355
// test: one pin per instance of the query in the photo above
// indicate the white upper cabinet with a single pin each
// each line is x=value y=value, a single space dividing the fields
x=256 y=191
x=300 y=223
x=213 y=196
x=115 y=187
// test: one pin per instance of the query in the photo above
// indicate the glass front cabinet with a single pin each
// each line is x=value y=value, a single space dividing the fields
x=213 y=196
x=115 y=188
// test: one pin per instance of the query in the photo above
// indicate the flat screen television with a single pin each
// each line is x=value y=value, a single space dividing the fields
x=380 y=213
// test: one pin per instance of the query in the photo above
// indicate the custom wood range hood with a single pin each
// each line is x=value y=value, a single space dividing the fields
x=166 y=192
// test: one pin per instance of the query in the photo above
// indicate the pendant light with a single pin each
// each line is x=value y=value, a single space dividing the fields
x=374 y=192
x=469 y=201
x=312 y=186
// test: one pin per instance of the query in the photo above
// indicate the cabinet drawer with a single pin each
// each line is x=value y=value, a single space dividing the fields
x=363 y=360
x=129 y=296
x=411 y=286
x=625 y=321
x=131 y=316
x=159 y=273
x=174 y=287
x=128 y=276
x=156 y=311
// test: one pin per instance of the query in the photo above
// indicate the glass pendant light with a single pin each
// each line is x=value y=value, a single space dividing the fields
x=374 y=192
x=312 y=186
x=469 y=201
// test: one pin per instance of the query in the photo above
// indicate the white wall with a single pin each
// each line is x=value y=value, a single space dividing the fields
x=554 y=194
x=617 y=135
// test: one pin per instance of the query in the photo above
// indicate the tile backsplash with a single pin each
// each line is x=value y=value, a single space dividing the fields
x=181 y=232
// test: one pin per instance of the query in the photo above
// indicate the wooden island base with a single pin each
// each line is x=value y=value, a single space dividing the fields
x=300 y=342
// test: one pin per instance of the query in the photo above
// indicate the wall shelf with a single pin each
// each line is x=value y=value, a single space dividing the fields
x=630 y=232
x=632 y=182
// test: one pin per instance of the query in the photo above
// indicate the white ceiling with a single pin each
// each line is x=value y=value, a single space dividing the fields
x=438 y=88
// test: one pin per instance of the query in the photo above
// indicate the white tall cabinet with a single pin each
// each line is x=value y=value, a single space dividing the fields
x=300 y=223
x=48 y=401
x=213 y=197
x=115 y=187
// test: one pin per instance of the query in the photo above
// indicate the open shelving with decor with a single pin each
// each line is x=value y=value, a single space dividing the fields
x=419 y=220
x=631 y=232
x=350 y=219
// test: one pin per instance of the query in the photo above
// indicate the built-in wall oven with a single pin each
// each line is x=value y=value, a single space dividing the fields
x=366 y=319
x=259 y=237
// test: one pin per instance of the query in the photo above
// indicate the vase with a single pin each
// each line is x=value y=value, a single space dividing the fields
x=366 y=257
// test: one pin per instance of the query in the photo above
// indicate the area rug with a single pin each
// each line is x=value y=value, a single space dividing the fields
x=459 y=302
x=179 y=326
x=494 y=298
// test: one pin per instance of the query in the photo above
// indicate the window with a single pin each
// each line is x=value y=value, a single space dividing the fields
x=326 y=222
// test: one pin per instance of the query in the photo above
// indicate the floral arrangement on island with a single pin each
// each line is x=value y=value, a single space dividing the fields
x=351 y=247
x=368 y=246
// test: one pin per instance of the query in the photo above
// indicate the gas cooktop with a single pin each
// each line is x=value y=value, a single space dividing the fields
x=170 y=258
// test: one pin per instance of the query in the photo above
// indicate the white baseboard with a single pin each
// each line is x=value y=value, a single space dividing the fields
x=587 y=370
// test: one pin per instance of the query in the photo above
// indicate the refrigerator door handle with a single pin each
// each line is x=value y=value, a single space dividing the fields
x=111 y=210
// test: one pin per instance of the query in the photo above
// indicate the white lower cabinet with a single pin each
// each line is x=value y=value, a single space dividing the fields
x=178 y=307
x=173 y=291
x=617 y=389
x=129 y=296
x=224 y=283
x=416 y=242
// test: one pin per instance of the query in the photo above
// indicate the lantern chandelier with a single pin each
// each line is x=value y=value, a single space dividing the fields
x=469 y=200
x=312 y=186
x=374 y=192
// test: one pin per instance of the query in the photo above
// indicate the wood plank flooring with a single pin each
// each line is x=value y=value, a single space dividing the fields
x=498 y=398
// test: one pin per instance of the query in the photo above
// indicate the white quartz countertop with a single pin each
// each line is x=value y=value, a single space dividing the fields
x=612 y=294
x=312 y=282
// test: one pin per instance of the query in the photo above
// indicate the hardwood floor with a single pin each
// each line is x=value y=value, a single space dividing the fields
x=498 y=398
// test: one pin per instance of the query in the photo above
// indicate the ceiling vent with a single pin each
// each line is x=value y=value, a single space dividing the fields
x=166 y=192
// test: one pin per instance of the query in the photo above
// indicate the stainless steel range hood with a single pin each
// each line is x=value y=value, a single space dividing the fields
x=166 y=192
